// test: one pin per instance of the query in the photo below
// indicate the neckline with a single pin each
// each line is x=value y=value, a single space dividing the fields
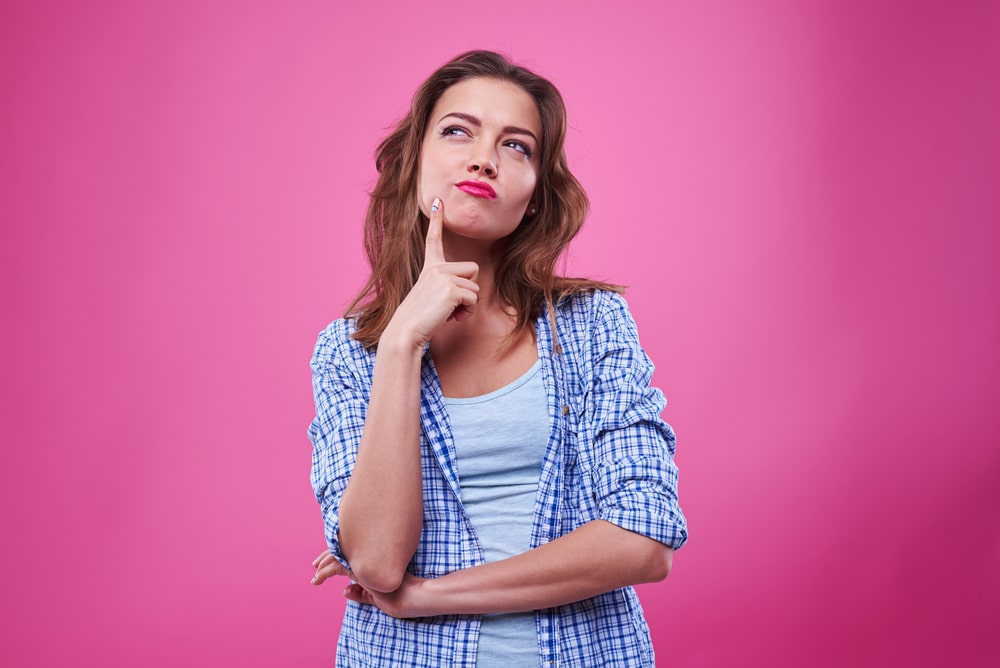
x=495 y=394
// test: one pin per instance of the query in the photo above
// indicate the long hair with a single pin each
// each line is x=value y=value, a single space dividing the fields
x=395 y=227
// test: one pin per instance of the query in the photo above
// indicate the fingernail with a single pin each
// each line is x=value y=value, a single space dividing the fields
x=436 y=204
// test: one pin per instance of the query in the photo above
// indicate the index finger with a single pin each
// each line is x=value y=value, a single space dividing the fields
x=434 y=251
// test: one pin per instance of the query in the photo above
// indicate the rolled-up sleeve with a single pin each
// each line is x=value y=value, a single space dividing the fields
x=340 y=387
x=634 y=476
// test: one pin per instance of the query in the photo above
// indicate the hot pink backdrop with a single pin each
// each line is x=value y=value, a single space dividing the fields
x=804 y=197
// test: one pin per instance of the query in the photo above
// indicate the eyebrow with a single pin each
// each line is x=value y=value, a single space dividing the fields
x=469 y=118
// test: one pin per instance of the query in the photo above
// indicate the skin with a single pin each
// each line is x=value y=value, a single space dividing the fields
x=480 y=130
x=483 y=130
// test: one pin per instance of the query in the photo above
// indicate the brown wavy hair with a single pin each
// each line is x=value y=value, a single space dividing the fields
x=395 y=228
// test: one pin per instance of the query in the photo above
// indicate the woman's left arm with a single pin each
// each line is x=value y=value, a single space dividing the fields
x=596 y=558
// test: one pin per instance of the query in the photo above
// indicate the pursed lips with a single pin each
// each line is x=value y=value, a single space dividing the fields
x=477 y=189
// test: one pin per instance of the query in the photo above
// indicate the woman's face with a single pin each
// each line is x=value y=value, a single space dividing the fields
x=480 y=156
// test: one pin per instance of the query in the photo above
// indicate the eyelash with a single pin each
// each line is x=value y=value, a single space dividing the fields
x=520 y=147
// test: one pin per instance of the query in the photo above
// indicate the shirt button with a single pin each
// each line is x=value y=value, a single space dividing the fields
x=565 y=409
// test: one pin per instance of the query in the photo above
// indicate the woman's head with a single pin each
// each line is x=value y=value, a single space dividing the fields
x=398 y=155
x=395 y=225
x=479 y=155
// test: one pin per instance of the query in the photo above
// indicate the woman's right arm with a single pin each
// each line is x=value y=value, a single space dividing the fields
x=381 y=510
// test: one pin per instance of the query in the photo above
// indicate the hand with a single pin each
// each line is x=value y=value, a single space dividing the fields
x=410 y=600
x=326 y=567
x=444 y=290
x=402 y=603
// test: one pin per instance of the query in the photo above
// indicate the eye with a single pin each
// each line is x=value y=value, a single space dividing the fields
x=455 y=131
x=518 y=146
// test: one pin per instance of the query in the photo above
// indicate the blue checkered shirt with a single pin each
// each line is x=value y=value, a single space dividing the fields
x=609 y=456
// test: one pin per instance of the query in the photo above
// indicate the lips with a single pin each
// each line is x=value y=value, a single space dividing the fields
x=477 y=189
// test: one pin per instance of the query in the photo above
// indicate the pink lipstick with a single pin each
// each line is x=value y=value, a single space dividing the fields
x=477 y=189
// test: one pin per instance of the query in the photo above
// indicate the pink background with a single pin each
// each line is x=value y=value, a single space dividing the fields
x=804 y=197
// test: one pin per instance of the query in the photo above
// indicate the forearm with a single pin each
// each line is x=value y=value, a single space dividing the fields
x=381 y=510
x=596 y=558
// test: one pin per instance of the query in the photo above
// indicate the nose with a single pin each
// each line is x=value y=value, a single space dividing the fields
x=483 y=165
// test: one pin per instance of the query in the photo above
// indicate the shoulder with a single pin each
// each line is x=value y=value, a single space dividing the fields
x=336 y=345
x=585 y=314
x=338 y=331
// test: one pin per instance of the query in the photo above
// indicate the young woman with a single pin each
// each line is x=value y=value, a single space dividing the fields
x=489 y=457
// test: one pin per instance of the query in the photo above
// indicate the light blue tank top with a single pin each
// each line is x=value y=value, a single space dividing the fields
x=500 y=441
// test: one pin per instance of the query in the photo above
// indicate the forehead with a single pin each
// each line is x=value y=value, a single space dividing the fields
x=494 y=102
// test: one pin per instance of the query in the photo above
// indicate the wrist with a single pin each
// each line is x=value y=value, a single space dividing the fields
x=395 y=341
x=427 y=600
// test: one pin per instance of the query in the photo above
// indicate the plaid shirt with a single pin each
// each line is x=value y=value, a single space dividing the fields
x=609 y=456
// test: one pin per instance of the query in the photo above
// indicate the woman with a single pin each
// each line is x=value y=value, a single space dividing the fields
x=490 y=460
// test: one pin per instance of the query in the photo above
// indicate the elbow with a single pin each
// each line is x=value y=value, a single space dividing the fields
x=377 y=576
x=376 y=567
x=641 y=558
x=658 y=562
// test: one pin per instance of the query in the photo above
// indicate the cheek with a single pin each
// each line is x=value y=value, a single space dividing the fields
x=425 y=186
x=428 y=178
x=529 y=183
